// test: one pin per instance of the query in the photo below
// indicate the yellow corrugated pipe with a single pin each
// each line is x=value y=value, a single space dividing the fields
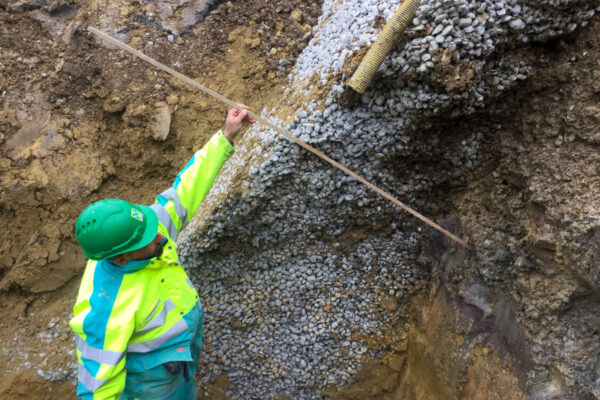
x=383 y=45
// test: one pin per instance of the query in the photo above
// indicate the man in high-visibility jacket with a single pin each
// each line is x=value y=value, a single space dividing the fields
x=138 y=319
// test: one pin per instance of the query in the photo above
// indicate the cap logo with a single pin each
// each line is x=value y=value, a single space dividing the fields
x=136 y=214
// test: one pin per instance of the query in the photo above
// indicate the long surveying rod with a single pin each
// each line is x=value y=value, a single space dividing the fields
x=282 y=131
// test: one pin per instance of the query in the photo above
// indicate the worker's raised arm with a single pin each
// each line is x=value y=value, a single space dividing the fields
x=235 y=120
x=177 y=205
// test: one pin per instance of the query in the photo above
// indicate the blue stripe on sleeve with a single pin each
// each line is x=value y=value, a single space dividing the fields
x=161 y=200
x=91 y=365
x=83 y=393
x=178 y=177
x=102 y=300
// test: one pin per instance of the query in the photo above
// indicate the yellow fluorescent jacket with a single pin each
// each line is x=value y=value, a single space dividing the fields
x=133 y=318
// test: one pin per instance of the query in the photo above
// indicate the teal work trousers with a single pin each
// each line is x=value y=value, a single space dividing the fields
x=159 y=383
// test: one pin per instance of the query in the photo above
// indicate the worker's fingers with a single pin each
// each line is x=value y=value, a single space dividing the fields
x=247 y=118
x=232 y=113
x=242 y=115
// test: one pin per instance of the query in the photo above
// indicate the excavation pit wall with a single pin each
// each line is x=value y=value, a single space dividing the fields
x=484 y=118
x=307 y=277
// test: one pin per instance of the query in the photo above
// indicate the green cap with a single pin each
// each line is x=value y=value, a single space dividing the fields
x=111 y=227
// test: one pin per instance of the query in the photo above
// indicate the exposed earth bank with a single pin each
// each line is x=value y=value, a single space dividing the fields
x=517 y=318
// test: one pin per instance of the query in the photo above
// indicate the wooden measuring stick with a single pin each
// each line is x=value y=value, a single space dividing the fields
x=278 y=129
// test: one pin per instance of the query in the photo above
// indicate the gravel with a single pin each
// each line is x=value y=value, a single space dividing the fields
x=276 y=322
x=312 y=262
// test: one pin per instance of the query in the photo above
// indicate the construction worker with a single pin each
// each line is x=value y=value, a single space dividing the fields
x=138 y=319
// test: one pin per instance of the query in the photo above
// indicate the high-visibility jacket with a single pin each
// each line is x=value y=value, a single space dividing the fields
x=131 y=319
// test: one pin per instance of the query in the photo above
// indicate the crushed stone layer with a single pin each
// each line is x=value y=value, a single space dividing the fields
x=458 y=57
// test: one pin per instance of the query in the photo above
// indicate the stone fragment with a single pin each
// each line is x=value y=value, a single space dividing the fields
x=297 y=16
x=464 y=22
x=115 y=104
x=438 y=29
x=161 y=122
x=23 y=5
x=172 y=99
x=517 y=24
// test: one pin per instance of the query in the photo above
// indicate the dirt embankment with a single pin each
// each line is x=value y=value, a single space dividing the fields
x=519 y=317
x=80 y=122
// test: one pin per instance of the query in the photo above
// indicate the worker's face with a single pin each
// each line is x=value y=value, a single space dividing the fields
x=153 y=249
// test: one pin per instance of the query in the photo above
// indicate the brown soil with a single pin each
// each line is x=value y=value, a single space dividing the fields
x=76 y=126
x=450 y=73
x=22 y=385
x=535 y=193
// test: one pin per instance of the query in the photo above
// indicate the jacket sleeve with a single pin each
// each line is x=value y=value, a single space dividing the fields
x=176 y=206
x=101 y=371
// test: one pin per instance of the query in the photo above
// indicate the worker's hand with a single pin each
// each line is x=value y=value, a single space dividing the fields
x=234 y=121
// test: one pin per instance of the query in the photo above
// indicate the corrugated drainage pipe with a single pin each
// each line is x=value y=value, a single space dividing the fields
x=383 y=45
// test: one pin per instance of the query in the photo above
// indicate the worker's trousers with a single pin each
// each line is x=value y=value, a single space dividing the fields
x=172 y=380
x=166 y=382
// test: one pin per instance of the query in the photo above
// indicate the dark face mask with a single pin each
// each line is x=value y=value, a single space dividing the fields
x=159 y=249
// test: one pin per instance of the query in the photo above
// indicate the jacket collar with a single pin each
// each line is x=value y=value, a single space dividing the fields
x=130 y=267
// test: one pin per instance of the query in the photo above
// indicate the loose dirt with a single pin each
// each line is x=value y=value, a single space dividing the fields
x=76 y=126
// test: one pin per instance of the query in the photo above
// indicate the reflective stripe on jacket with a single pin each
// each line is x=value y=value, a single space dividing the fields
x=131 y=319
